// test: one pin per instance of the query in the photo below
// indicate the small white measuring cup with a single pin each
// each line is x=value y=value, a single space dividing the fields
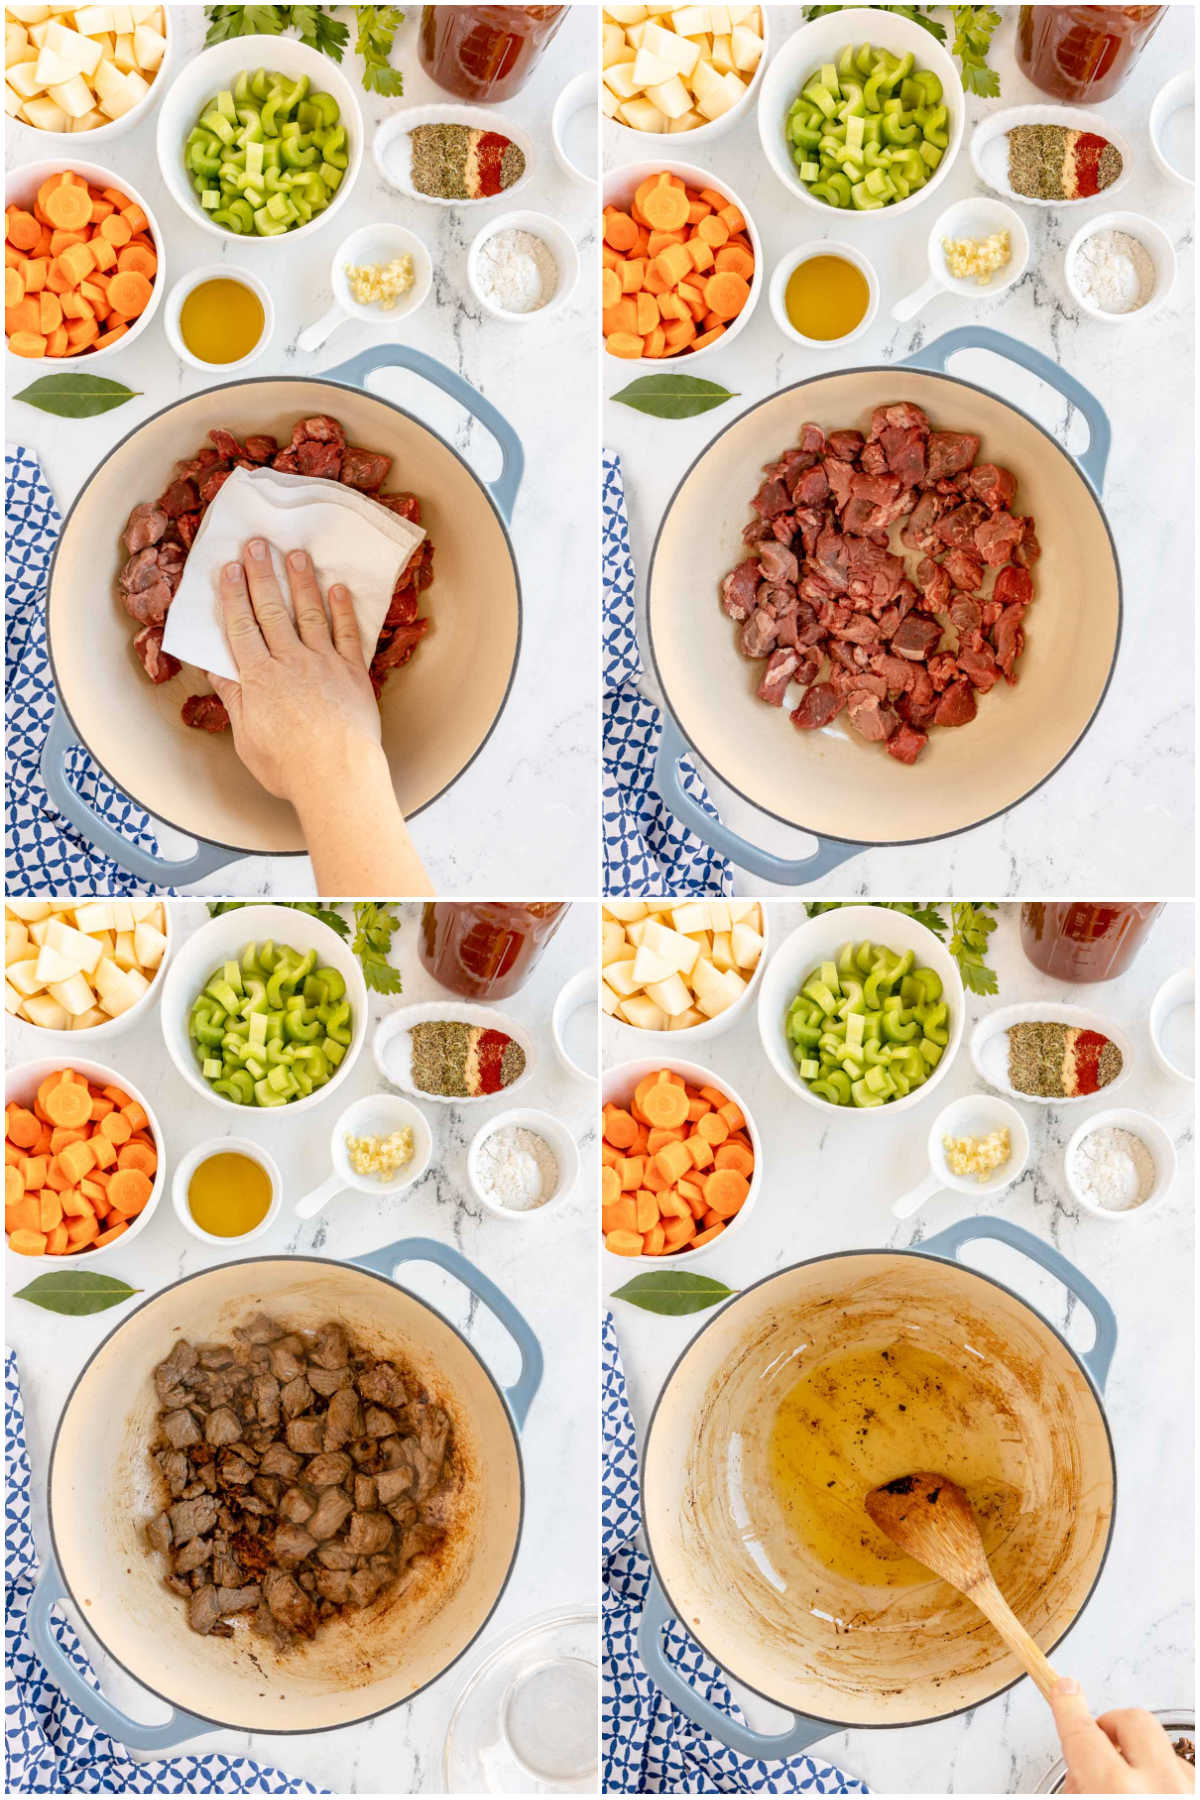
x=975 y=1115
x=975 y=217
x=376 y=1116
x=373 y=244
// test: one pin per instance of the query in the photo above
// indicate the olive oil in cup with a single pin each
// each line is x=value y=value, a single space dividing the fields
x=824 y=295
x=227 y=1191
x=219 y=318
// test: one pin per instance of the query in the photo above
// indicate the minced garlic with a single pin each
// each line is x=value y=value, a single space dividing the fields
x=382 y=1156
x=381 y=284
x=980 y=257
x=979 y=1156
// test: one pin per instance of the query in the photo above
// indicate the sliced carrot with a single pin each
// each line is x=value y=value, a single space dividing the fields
x=115 y=1127
x=21 y=228
x=631 y=1172
x=50 y=1210
x=68 y=208
x=117 y=230
x=620 y=231
x=35 y=272
x=137 y=221
x=665 y=1105
x=23 y=1128
x=655 y=1241
x=665 y=208
x=726 y=1190
x=624 y=1243
x=679 y=1232
x=14 y=1185
x=135 y=1116
x=706 y=1237
x=27 y=1243
x=14 y=288
x=68 y=1105
x=733 y=1115
x=57 y=1242
x=726 y=294
x=731 y=259
x=129 y=1190
x=648 y=1210
x=103 y=253
x=129 y=294
x=81 y=1232
x=735 y=1156
x=610 y=1185
x=111 y=337
x=107 y=1237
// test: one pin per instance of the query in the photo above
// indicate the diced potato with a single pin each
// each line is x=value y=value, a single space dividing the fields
x=28 y=15
x=30 y=911
x=671 y=98
x=746 y=944
x=649 y=70
x=688 y=121
x=619 y=977
x=52 y=966
x=78 y=51
x=123 y=55
x=608 y=102
x=719 y=916
x=22 y=78
x=628 y=911
x=612 y=941
x=85 y=1021
x=719 y=21
x=123 y=953
x=650 y=966
x=93 y=21
x=123 y=918
x=74 y=996
x=722 y=954
x=722 y=55
x=678 y=53
x=682 y=1021
x=691 y=916
x=672 y=946
x=643 y=1013
x=626 y=15
x=690 y=21
x=81 y=951
x=44 y=1011
x=613 y=46
x=12 y=1000
x=149 y=945
x=609 y=1001
x=93 y=916
x=619 y=78
x=74 y=96
x=13 y=103
x=671 y=996
x=16 y=940
x=746 y=48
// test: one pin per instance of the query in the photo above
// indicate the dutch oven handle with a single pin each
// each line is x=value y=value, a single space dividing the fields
x=948 y=1243
x=156 y=871
x=418 y=1249
x=978 y=337
x=399 y=356
x=80 y=1692
x=771 y=1746
x=668 y=782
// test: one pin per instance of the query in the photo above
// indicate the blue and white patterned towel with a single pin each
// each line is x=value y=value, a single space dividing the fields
x=646 y=849
x=649 y=1747
x=50 y=1748
x=46 y=855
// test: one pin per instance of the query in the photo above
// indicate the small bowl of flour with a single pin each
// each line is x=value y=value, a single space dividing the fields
x=1120 y=268
x=522 y=266
x=522 y=1164
x=1120 y=1164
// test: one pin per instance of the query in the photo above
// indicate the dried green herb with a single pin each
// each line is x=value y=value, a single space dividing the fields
x=674 y=1292
x=76 y=396
x=671 y=396
x=76 y=1292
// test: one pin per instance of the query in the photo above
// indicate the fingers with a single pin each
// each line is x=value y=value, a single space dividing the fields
x=1090 y=1758
x=307 y=604
x=229 y=693
x=346 y=640
x=1137 y=1733
x=242 y=634
x=270 y=608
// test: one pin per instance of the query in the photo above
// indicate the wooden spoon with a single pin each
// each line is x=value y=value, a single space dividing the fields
x=930 y=1517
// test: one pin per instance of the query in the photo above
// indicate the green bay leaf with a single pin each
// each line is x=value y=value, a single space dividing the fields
x=673 y=1292
x=76 y=1292
x=76 y=396
x=673 y=396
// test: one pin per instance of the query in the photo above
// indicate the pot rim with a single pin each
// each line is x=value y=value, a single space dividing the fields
x=835 y=1256
x=291 y=1729
x=889 y=370
x=325 y=380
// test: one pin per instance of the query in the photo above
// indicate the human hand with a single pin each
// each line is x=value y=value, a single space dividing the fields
x=1122 y=1752
x=304 y=713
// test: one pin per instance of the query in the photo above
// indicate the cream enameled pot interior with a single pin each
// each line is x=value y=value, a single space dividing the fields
x=752 y=1594
x=833 y=781
x=437 y=710
x=103 y=1489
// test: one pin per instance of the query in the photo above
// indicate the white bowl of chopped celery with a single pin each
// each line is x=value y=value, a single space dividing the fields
x=813 y=57
x=226 y=954
x=220 y=86
x=895 y=1059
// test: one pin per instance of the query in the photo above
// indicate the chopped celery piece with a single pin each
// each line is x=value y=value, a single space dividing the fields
x=257 y=1017
x=867 y=1027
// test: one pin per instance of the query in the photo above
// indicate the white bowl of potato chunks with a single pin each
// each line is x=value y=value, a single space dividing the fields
x=687 y=71
x=83 y=967
x=680 y=969
x=89 y=71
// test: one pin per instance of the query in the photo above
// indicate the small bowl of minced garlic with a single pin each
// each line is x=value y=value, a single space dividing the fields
x=978 y=1145
x=379 y=1145
x=380 y=275
x=977 y=249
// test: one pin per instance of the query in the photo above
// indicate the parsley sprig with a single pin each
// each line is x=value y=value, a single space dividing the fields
x=974 y=27
x=970 y=925
x=374 y=928
x=375 y=33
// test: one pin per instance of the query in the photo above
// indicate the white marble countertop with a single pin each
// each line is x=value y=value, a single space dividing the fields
x=536 y=785
x=830 y=1189
x=547 y=1267
x=1129 y=782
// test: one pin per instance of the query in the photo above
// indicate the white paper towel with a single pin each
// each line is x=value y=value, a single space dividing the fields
x=351 y=539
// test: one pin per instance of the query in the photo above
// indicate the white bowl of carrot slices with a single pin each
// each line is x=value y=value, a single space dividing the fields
x=83 y=1156
x=682 y=263
x=682 y=1161
x=83 y=263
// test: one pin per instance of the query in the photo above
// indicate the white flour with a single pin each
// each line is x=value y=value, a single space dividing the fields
x=516 y=1168
x=1114 y=271
x=517 y=271
x=1113 y=1168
